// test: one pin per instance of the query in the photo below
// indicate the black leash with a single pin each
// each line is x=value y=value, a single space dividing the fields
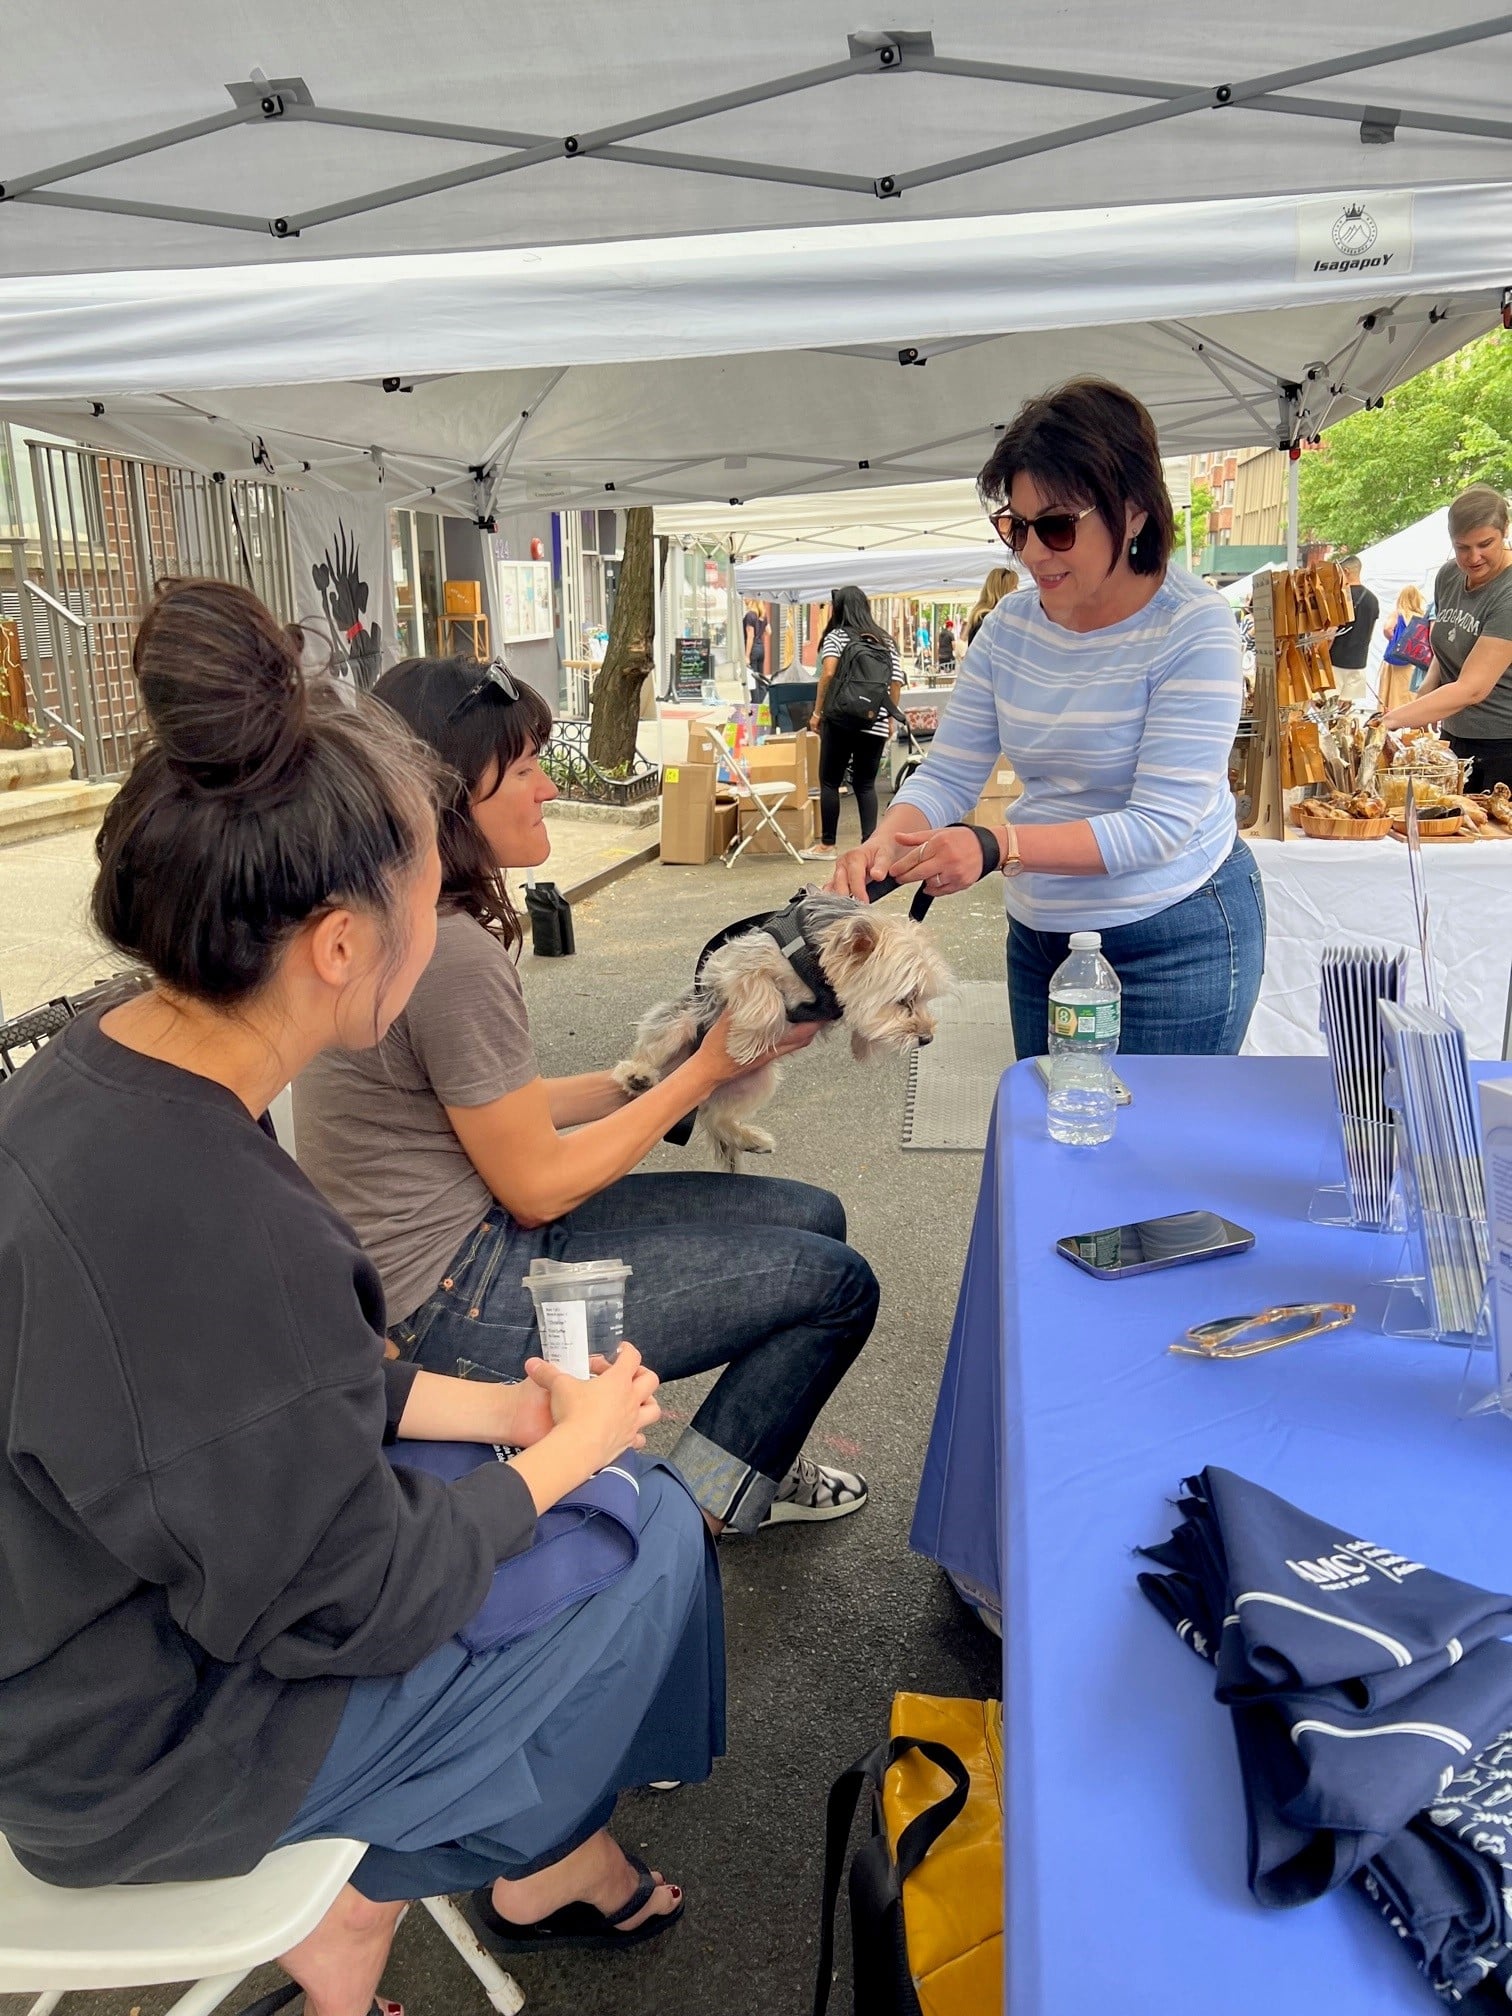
x=992 y=859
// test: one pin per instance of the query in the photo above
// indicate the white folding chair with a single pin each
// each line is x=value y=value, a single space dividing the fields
x=212 y=1934
x=766 y=798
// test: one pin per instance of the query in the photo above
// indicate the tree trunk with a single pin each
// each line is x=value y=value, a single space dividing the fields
x=614 y=710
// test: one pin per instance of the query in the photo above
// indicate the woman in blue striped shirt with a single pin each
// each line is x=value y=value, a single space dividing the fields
x=1113 y=687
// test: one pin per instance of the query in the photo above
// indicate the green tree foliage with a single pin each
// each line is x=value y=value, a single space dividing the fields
x=1202 y=505
x=1443 y=430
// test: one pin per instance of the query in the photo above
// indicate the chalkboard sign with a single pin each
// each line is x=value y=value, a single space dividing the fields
x=693 y=667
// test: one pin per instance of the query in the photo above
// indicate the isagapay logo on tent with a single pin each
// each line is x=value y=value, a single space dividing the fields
x=1354 y=233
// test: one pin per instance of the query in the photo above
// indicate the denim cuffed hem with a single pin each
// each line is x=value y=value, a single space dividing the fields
x=721 y=1484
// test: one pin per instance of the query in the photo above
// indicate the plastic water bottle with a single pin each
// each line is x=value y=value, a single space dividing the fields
x=1084 y=1020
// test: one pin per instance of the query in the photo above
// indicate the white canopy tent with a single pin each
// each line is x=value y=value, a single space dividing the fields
x=914 y=517
x=277 y=371
x=412 y=257
x=808 y=577
x=161 y=137
x=1408 y=559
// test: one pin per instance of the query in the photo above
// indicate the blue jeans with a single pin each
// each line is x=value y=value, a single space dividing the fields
x=1190 y=974
x=748 y=1272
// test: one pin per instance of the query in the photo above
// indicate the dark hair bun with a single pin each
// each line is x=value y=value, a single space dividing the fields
x=259 y=797
x=223 y=686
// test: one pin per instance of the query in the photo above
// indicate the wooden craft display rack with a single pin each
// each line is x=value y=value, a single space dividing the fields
x=1297 y=613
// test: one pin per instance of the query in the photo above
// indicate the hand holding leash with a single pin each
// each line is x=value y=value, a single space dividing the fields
x=944 y=861
x=861 y=866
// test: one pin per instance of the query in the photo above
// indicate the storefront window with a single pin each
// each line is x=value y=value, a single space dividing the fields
x=419 y=571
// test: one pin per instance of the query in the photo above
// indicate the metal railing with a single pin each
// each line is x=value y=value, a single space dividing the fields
x=109 y=528
x=566 y=761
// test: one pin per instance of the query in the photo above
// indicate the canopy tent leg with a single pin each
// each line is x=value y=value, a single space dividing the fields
x=1293 y=465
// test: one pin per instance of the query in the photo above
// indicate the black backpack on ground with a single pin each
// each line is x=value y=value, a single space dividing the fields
x=861 y=692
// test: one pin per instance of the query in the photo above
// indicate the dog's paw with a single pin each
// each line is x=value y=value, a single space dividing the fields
x=633 y=1078
x=751 y=1140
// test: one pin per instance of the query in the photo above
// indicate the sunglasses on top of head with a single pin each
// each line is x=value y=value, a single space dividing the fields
x=495 y=678
x=1055 y=530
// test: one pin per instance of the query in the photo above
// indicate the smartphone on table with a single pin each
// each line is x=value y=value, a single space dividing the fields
x=1152 y=1243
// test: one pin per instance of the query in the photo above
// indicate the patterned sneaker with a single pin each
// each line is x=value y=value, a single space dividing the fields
x=812 y=1490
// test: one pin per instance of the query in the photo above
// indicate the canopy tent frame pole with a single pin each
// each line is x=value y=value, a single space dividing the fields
x=882 y=53
x=1293 y=468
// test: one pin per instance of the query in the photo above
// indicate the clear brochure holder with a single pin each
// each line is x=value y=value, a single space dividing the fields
x=1441 y=1291
x=1354 y=982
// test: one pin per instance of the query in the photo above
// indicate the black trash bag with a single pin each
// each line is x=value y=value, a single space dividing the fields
x=551 y=934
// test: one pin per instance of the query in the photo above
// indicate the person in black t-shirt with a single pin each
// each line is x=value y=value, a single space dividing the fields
x=229 y=1619
x=1350 y=651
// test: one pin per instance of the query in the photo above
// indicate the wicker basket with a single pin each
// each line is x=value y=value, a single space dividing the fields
x=1320 y=825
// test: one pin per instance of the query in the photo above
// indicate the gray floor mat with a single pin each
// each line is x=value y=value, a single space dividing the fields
x=952 y=1084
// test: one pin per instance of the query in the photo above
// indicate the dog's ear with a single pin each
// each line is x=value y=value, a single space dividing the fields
x=857 y=936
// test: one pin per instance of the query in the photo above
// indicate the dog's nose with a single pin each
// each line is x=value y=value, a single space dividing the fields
x=923 y=1039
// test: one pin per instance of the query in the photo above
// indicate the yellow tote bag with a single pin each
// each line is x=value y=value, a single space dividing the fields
x=926 y=1891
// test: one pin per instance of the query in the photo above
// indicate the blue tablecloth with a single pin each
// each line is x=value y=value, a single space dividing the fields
x=1125 y=1822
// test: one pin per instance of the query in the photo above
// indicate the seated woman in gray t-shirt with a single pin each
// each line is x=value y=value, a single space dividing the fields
x=444 y=1147
x=1468 y=688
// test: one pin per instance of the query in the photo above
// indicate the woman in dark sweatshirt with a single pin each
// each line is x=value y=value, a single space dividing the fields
x=226 y=1618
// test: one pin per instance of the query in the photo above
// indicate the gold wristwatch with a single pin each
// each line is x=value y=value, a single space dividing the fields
x=1010 y=863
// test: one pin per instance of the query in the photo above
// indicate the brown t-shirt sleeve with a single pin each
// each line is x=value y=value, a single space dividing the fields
x=466 y=1022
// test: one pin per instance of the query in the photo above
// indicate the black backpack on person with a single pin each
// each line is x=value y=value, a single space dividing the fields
x=861 y=691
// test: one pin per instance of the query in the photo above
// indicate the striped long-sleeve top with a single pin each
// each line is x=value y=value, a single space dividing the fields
x=1129 y=728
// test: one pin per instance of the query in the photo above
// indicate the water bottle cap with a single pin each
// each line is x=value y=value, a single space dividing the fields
x=1086 y=941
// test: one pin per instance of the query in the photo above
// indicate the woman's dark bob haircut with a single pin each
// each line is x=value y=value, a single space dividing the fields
x=479 y=733
x=1089 y=443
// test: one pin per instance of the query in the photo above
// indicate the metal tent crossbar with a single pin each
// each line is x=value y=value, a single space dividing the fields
x=870 y=54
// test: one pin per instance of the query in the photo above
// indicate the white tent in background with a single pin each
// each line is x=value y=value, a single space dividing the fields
x=1408 y=559
x=328 y=248
x=914 y=517
x=808 y=577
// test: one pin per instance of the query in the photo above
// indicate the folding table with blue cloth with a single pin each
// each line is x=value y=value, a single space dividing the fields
x=1372 y=1709
x=1064 y=1424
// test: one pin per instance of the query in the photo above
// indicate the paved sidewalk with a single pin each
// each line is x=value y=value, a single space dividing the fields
x=48 y=946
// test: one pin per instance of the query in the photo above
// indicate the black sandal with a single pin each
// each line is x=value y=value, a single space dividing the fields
x=574 y=1924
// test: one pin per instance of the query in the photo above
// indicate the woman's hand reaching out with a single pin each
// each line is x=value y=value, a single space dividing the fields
x=873 y=861
x=946 y=860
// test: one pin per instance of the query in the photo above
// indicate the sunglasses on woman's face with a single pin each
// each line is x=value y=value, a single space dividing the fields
x=495 y=677
x=1055 y=530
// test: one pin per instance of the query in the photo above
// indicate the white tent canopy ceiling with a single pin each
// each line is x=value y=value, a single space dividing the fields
x=472 y=312
x=808 y=577
x=166 y=136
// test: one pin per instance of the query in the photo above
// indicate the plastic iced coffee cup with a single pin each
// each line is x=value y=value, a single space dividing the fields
x=579 y=1308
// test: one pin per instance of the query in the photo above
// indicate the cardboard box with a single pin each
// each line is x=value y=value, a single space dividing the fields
x=687 y=821
x=778 y=760
x=797 y=822
x=1000 y=791
x=808 y=746
x=463 y=598
x=726 y=826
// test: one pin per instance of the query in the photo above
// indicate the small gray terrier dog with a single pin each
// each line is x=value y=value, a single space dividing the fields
x=876 y=975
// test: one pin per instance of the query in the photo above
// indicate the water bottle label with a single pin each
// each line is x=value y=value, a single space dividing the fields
x=1084 y=1022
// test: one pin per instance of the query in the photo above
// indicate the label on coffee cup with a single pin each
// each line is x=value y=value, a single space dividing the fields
x=564 y=1336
